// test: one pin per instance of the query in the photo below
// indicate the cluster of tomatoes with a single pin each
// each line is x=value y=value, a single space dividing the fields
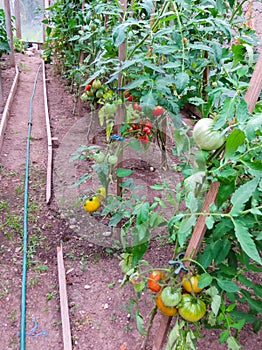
x=183 y=299
x=142 y=130
x=93 y=90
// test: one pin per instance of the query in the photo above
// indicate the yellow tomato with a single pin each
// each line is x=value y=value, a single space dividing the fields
x=92 y=204
x=190 y=284
x=101 y=193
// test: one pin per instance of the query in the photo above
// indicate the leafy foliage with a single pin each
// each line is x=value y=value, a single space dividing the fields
x=196 y=53
x=4 y=46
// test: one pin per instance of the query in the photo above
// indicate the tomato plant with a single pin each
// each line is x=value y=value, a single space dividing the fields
x=4 y=47
x=169 y=52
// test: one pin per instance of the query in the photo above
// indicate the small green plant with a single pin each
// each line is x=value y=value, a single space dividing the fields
x=4 y=289
x=51 y=295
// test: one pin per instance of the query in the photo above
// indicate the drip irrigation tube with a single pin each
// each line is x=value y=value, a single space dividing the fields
x=25 y=226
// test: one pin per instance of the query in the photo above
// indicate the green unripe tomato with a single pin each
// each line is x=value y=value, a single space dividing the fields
x=99 y=93
x=171 y=296
x=96 y=84
x=99 y=157
x=112 y=159
x=84 y=97
x=206 y=137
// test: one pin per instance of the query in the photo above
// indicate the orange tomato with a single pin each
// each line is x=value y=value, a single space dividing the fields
x=166 y=310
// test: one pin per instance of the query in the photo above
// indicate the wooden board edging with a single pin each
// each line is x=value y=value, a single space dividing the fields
x=6 y=112
x=49 y=141
x=63 y=301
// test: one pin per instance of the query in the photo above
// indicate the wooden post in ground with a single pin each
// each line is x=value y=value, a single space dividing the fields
x=120 y=111
x=18 y=20
x=9 y=31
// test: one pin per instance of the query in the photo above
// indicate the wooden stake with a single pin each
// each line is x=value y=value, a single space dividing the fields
x=18 y=20
x=49 y=142
x=9 y=31
x=63 y=300
x=255 y=85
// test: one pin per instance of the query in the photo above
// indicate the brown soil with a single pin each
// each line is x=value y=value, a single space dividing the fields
x=102 y=314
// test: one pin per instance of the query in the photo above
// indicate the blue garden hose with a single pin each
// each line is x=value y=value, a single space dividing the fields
x=25 y=227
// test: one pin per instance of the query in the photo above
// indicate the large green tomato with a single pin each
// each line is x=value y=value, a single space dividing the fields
x=171 y=296
x=191 y=308
x=206 y=137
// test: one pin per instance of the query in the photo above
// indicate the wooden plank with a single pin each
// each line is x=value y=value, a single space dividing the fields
x=255 y=85
x=63 y=301
x=7 y=108
x=200 y=228
x=162 y=332
x=49 y=142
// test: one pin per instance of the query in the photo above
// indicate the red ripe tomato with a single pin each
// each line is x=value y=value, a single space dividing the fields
x=143 y=138
x=87 y=87
x=128 y=96
x=157 y=111
x=148 y=124
x=137 y=107
x=155 y=279
x=135 y=126
x=146 y=129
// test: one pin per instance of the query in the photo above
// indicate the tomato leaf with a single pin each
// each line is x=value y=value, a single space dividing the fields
x=174 y=334
x=253 y=125
x=227 y=112
x=140 y=323
x=233 y=141
x=245 y=240
x=242 y=112
x=205 y=280
x=142 y=212
x=215 y=304
x=242 y=195
x=210 y=222
x=121 y=172
x=181 y=81
x=138 y=251
x=232 y=343
x=227 y=285
x=224 y=335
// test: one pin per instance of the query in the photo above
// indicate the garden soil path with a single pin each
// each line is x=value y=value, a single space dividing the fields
x=101 y=313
